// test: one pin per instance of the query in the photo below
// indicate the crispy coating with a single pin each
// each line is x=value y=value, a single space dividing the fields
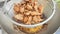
x=29 y=12
x=18 y=17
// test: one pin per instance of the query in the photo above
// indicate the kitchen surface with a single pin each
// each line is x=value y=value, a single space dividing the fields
x=52 y=26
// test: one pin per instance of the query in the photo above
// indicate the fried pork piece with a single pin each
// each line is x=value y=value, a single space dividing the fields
x=19 y=17
x=28 y=23
x=16 y=8
x=27 y=13
x=29 y=7
x=25 y=19
x=23 y=4
x=40 y=8
x=26 y=10
x=35 y=13
x=40 y=19
x=36 y=8
x=32 y=22
x=35 y=19
x=21 y=9
x=29 y=20
x=35 y=2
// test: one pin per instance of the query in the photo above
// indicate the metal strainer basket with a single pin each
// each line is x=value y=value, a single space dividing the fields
x=49 y=11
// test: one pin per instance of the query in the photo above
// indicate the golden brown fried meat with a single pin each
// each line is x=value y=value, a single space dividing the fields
x=16 y=8
x=18 y=17
x=29 y=12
